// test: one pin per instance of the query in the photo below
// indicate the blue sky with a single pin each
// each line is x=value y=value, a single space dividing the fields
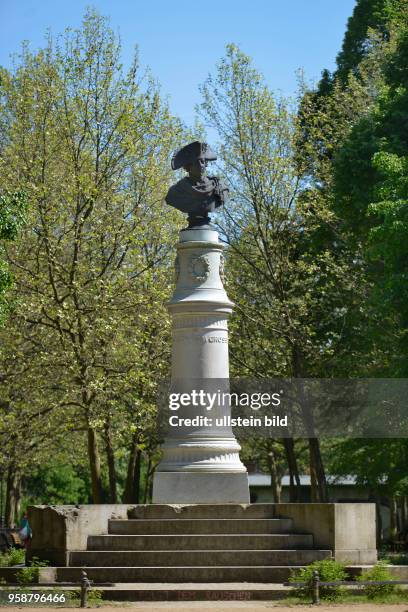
x=182 y=40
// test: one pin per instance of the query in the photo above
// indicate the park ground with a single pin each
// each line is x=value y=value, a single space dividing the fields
x=219 y=606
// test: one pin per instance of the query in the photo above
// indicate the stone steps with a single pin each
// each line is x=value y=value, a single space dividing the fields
x=202 y=511
x=170 y=558
x=186 y=526
x=200 y=542
x=199 y=574
x=206 y=543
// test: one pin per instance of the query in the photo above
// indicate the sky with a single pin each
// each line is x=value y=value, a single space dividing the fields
x=182 y=40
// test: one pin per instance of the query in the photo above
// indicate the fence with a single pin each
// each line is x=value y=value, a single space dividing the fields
x=317 y=583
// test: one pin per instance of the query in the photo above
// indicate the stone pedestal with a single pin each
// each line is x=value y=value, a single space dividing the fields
x=200 y=465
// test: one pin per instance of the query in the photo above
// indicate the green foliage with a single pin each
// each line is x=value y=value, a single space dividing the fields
x=379 y=465
x=367 y=15
x=372 y=194
x=28 y=575
x=381 y=573
x=94 y=596
x=329 y=571
x=14 y=556
x=56 y=483
x=90 y=145
x=273 y=230
x=354 y=130
x=13 y=207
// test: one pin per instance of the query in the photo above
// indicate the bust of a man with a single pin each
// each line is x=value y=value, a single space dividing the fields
x=196 y=194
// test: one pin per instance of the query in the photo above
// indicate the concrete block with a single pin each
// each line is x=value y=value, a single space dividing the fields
x=349 y=530
x=200 y=487
x=59 y=529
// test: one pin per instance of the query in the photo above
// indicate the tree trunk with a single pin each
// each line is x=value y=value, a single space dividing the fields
x=313 y=477
x=12 y=495
x=151 y=487
x=110 y=455
x=379 y=522
x=2 y=524
x=151 y=468
x=317 y=470
x=317 y=473
x=374 y=497
x=275 y=480
x=294 y=489
x=393 y=519
x=136 y=477
x=147 y=481
x=404 y=516
x=131 y=492
x=18 y=500
x=95 y=466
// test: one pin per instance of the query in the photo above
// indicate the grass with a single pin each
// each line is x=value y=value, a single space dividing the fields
x=347 y=597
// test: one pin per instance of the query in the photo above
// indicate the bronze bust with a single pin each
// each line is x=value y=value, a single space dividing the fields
x=196 y=194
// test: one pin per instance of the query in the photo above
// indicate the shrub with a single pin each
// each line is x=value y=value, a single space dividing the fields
x=94 y=596
x=28 y=575
x=14 y=556
x=378 y=572
x=329 y=571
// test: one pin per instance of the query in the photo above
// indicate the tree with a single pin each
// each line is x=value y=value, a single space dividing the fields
x=90 y=146
x=12 y=216
x=373 y=200
x=367 y=15
x=286 y=284
x=358 y=166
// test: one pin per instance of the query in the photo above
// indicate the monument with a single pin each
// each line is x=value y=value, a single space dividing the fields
x=200 y=527
x=200 y=464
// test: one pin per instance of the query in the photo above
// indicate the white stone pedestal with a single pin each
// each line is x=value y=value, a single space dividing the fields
x=200 y=465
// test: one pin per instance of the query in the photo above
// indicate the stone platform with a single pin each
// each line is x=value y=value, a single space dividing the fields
x=203 y=543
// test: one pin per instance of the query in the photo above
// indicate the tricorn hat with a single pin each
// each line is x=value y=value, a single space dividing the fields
x=190 y=152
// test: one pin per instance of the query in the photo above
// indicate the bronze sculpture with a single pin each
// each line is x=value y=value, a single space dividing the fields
x=196 y=194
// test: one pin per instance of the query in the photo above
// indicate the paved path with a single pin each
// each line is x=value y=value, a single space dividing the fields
x=219 y=606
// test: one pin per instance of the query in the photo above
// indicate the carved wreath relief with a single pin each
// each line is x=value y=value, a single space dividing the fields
x=199 y=267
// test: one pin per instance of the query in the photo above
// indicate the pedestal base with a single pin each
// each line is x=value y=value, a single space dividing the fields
x=200 y=488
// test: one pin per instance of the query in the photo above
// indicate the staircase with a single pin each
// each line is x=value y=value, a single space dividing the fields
x=197 y=543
